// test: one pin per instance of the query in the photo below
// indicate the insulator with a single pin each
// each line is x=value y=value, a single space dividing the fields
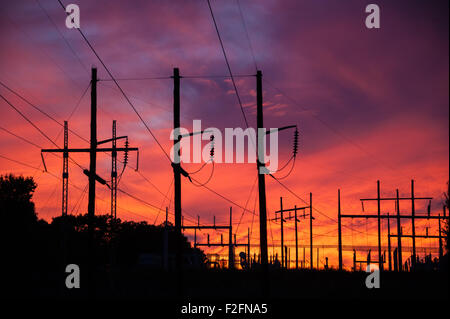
x=212 y=144
x=125 y=154
x=295 y=151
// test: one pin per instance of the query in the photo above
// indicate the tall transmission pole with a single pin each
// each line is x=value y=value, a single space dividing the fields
x=339 y=230
x=261 y=174
x=65 y=174
x=114 y=173
x=177 y=176
x=92 y=175
x=93 y=147
x=311 y=232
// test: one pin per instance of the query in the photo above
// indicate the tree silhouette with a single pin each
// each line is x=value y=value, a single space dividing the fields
x=16 y=206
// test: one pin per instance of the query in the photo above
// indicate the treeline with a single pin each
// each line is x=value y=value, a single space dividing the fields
x=30 y=246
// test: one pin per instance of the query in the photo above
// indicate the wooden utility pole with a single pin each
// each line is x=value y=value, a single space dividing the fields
x=65 y=174
x=114 y=172
x=310 y=231
x=296 y=239
x=285 y=257
x=165 y=260
x=440 y=241
x=92 y=174
x=389 y=243
x=177 y=177
x=317 y=257
x=339 y=230
x=399 y=238
x=380 y=257
x=261 y=172
x=65 y=193
x=282 y=233
x=398 y=217
x=413 y=212
x=230 y=238
x=248 y=245
x=92 y=155
x=283 y=220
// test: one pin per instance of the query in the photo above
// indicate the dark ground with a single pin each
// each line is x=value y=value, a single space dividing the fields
x=223 y=285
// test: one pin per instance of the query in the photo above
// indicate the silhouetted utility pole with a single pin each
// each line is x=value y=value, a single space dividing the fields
x=177 y=166
x=65 y=193
x=261 y=172
x=91 y=173
x=296 y=238
x=114 y=173
x=283 y=219
x=114 y=151
x=339 y=230
x=282 y=233
x=399 y=231
x=439 y=236
x=230 y=250
x=398 y=217
x=440 y=241
x=92 y=160
x=65 y=174
x=413 y=212
x=389 y=243
x=380 y=257
x=166 y=242
x=285 y=257
x=311 y=230
x=230 y=243
x=248 y=245
x=413 y=218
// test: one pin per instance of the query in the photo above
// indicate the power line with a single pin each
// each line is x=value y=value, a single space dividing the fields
x=165 y=196
x=183 y=77
x=36 y=127
x=137 y=79
x=246 y=203
x=228 y=63
x=120 y=88
x=42 y=111
x=338 y=133
x=146 y=203
x=60 y=124
x=28 y=120
x=130 y=195
x=62 y=36
x=55 y=176
x=21 y=138
x=20 y=163
x=53 y=119
x=321 y=213
x=44 y=53
x=224 y=197
x=217 y=76
x=246 y=33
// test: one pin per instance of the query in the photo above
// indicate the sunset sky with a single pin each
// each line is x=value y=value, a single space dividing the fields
x=370 y=104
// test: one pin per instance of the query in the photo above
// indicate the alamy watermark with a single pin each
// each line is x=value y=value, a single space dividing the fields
x=373 y=18
x=373 y=279
x=73 y=16
x=73 y=279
